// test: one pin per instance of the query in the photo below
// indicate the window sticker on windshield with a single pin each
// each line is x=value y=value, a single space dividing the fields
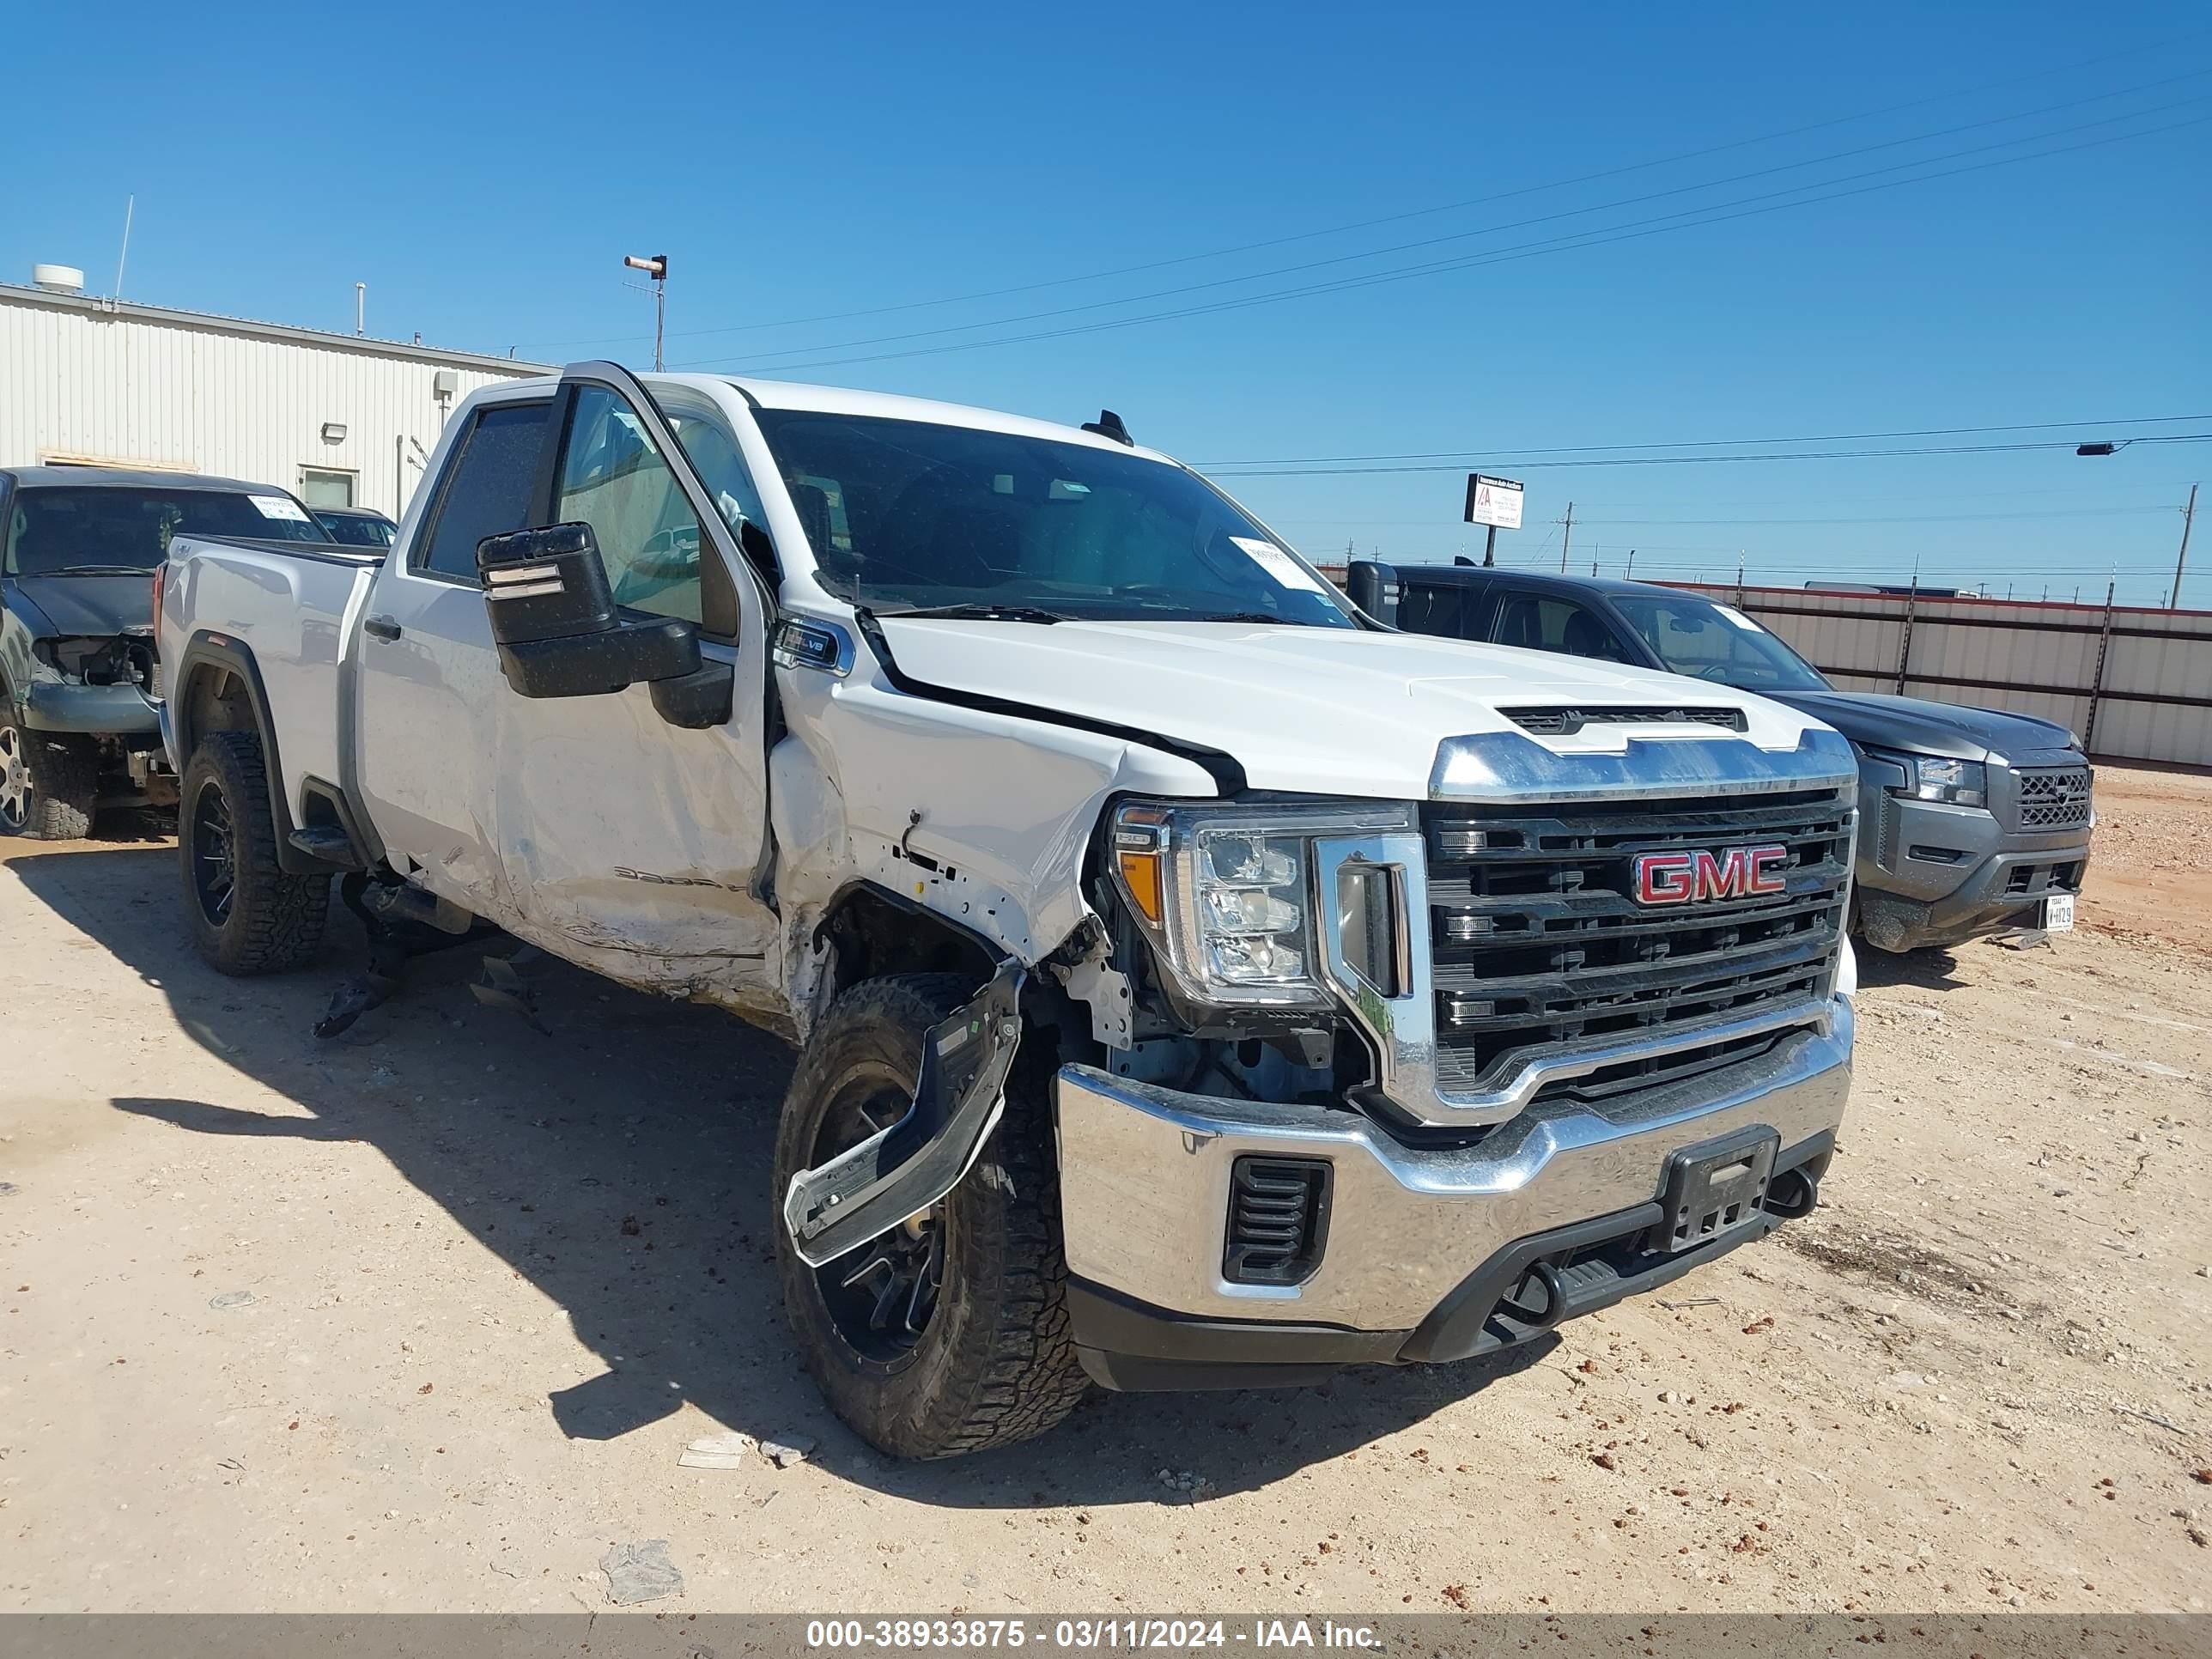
x=1278 y=564
x=276 y=506
x=1738 y=619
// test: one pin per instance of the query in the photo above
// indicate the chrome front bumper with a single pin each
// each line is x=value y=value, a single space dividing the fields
x=1145 y=1181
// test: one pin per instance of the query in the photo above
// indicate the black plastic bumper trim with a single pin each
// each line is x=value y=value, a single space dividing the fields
x=1475 y=1318
x=1136 y=1347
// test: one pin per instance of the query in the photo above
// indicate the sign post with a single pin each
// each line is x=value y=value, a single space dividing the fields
x=1495 y=502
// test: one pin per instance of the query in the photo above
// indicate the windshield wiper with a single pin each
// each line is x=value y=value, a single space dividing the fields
x=981 y=610
x=98 y=570
x=1265 y=616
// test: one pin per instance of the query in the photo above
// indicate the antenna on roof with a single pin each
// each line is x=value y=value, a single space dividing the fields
x=1109 y=425
x=130 y=208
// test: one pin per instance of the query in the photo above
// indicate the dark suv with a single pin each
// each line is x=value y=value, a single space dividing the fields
x=1971 y=821
x=78 y=549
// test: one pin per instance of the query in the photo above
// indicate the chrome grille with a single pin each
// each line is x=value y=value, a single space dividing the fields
x=2055 y=798
x=1540 y=944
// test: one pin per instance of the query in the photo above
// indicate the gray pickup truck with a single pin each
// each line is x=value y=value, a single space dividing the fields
x=79 y=547
x=1972 y=821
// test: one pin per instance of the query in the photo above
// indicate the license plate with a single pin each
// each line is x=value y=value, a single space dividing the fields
x=2058 y=913
x=1714 y=1187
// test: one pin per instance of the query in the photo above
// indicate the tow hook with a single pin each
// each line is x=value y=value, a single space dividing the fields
x=899 y=1172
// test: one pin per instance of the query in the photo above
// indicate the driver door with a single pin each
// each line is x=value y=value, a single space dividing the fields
x=628 y=845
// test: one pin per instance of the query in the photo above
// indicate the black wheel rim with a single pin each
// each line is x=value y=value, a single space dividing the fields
x=214 y=855
x=882 y=1295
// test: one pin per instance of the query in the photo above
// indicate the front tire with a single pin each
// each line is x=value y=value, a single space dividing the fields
x=950 y=1335
x=247 y=915
x=49 y=782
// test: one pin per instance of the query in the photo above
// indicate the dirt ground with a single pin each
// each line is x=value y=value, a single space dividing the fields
x=423 y=1319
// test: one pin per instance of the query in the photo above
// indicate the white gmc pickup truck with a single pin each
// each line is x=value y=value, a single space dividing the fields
x=1196 y=983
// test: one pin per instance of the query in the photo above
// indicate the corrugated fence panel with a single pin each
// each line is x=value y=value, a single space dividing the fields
x=2153 y=701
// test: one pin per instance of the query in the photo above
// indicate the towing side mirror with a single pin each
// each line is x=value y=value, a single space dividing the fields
x=1373 y=587
x=556 y=624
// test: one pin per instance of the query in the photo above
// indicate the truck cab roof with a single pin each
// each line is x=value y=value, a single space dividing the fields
x=127 y=477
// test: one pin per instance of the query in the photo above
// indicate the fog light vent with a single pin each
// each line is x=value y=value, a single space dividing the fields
x=1278 y=1220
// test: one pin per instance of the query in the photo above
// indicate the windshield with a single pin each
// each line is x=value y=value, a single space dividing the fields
x=357 y=529
x=1712 y=641
x=904 y=514
x=103 y=529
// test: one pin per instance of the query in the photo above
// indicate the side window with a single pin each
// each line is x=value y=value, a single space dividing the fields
x=614 y=479
x=1431 y=608
x=487 y=488
x=1537 y=623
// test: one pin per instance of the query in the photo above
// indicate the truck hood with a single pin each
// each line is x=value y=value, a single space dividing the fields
x=1917 y=726
x=1312 y=710
x=95 y=605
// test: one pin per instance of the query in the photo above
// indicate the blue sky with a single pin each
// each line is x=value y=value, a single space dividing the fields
x=484 y=170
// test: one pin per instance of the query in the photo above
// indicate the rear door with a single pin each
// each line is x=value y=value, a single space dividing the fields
x=625 y=843
x=1451 y=610
x=428 y=681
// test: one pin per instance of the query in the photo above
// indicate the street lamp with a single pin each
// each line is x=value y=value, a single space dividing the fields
x=657 y=268
x=2188 y=516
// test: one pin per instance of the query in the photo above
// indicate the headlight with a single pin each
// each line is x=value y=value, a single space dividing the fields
x=1961 y=782
x=1225 y=893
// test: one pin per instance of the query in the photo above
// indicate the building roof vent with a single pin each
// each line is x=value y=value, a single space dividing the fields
x=58 y=279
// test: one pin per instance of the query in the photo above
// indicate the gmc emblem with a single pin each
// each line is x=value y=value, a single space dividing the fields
x=1693 y=877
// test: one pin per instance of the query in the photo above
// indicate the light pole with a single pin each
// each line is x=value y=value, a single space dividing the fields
x=657 y=268
x=2188 y=515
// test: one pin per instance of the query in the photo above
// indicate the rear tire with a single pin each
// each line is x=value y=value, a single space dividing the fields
x=992 y=1361
x=49 y=782
x=247 y=915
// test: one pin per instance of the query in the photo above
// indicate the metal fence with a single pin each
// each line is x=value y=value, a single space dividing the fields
x=2136 y=683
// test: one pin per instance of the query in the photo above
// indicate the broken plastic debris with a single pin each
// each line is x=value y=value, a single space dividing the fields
x=640 y=1572
x=720 y=1451
x=785 y=1453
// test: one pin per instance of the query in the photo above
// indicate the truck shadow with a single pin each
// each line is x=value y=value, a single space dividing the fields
x=617 y=1158
x=1930 y=970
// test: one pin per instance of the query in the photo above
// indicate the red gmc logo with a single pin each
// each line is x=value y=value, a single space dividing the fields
x=1693 y=877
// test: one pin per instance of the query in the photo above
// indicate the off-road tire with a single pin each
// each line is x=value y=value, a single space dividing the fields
x=64 y=778
x=996 y=1363
x=274 y=920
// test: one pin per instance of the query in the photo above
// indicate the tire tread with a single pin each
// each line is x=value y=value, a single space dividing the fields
x=276 y=919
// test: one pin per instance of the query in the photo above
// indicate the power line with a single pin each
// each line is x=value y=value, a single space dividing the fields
x=1462 y=455
x=1549 y=218
x=1698 y=461
x=1924 y=517
x=1630 y=232
x=2070 y=68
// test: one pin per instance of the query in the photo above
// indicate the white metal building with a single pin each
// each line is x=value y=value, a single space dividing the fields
x=337 y=419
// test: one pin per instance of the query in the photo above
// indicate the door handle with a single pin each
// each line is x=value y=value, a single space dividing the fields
x=381 y=627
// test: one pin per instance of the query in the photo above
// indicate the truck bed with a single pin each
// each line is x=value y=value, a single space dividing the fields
x=298 y=604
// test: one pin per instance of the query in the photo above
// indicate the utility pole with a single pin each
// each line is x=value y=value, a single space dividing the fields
x=1567 y=539
x=657 y=268
x=2188 y=518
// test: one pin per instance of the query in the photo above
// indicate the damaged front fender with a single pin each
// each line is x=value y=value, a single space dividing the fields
x=900 y=1171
